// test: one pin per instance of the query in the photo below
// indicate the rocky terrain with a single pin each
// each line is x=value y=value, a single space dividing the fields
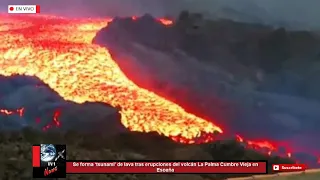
x=92 y=131
x=44 y=109
x=16 y=145
x=252 y=79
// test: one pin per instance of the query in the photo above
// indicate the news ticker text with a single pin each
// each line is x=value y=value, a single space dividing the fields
x=174 y=167
x=49 y=161
x=166 y=167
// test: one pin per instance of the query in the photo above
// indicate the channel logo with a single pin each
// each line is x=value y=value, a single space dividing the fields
x=49 y=161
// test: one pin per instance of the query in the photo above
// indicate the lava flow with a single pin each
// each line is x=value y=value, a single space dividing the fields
x=60 y=53
x=7 y=112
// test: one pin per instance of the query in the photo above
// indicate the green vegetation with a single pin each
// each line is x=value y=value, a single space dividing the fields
x=16 y=152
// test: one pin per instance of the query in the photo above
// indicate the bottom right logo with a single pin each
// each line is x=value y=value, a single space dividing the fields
x=275 y=167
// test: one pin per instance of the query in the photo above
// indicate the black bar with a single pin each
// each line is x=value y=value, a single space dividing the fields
x=167 y=161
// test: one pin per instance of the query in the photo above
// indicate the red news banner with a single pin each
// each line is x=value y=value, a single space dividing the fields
x=166 y=167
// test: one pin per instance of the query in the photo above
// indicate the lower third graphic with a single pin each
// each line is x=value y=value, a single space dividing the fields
x=49 y=161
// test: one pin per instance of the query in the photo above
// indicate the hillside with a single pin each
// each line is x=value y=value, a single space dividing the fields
x=193 y=62
x=16 y=146
x=251 y=79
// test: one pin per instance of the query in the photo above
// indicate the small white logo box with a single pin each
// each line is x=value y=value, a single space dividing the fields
x=23 y=9
x=276 y=167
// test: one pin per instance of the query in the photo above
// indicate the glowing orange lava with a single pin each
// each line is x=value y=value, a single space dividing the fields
x=20 y=112
x=54 y=123
x=7 y=112
x=164 y=21
x=260 y=145
x=59 y=52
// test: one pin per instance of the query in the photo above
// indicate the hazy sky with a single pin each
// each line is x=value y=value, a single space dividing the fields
x=301 y=10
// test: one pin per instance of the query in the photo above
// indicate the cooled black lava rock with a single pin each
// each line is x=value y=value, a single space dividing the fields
x=145 y=30
x=91 y=117
x=42 y=106
x=12 y=83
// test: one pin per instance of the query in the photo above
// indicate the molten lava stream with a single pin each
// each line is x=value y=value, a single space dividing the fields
x=59 y=53
x=7 y=112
